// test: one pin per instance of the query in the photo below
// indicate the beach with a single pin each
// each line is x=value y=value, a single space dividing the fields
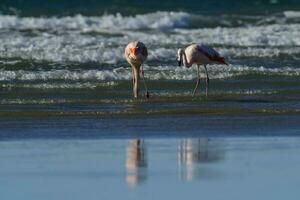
x=78 y=160
x=70 y=128
x=168 y=156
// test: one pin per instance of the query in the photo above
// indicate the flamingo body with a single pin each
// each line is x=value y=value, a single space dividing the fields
x=199 y=54
x=136 y=53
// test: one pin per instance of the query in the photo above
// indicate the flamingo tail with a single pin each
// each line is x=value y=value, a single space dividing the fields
x=219 y=59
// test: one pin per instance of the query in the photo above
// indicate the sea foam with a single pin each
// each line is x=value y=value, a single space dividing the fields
x=157 y=20
x=292 y=14
x=152 y=73
x=264 y=41
x=102 y=39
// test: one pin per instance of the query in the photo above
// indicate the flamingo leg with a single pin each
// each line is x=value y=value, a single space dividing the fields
x=145 y=86
x=198 y=81
x=132 y=75
x=136 y=75
x=133 y=80
x=207 y=80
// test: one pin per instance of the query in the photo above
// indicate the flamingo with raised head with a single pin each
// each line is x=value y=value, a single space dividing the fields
x=136 y=53
x=199 y=54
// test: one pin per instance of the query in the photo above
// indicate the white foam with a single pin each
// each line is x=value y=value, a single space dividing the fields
x=104 y=75
x=32 y=101
x=267 y=35
x=162 y=54
x=65 y=48
x=77 y=85
x=153 y=73
x=71 y=39
x=259 y=42
x=157 y=20
x=259 y=52
x=292 y=14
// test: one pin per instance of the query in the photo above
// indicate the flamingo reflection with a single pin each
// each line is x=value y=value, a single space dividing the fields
x=136 y=162
x=192 y=152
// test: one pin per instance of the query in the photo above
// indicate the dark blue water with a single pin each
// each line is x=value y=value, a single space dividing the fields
x=96 y=7
x=67 y=113
x=163 y=127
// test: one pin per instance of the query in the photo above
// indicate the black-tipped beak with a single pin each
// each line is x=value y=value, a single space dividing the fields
x=179 y=63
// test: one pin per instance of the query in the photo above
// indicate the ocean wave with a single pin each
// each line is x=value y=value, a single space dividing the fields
x=102 y=39
x=76 y=85
x=157 y=20
x=151 y=73
x=104 y=75
x=268 y=35
x=291 y=14
x=267 y=41
x=216 y=72
x=160 y=20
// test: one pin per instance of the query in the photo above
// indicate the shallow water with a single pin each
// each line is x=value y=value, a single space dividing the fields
x=150 y=156
x=149 y=126
x=214 y=168
x=69 y=128
x=73 y=64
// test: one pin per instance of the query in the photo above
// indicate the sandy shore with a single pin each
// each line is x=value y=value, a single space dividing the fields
x=242 y=157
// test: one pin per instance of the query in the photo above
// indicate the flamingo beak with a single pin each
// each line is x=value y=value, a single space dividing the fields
x=179 y=63
x=134 y=51
x=225 y=63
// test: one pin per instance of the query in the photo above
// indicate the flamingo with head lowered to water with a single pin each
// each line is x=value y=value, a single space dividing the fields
x=136 y=53
x=201 y=55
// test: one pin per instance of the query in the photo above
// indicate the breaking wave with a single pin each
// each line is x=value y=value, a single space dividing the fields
x=102 y=39
x=157 y=20
x=151 y=73
x=264 y=41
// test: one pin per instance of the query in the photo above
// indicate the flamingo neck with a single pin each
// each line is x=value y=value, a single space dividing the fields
x=185 y=62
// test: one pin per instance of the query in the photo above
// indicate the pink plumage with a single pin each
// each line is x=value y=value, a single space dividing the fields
x=136 y=53
x=211 y=54
x=200 y=55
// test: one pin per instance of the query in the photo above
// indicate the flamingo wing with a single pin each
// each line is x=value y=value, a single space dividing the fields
x=144 y=52
x=142 y=49
x=211 y=54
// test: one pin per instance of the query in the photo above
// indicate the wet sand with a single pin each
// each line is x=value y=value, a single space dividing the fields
x=220 y=157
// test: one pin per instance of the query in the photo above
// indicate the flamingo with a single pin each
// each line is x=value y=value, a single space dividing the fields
x=199 y=54
x=136 y=53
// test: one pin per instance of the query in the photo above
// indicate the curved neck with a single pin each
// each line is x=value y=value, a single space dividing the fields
x=185 y=62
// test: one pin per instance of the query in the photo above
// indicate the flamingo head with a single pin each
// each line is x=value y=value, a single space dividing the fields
x=134 y=50
x=179 y=56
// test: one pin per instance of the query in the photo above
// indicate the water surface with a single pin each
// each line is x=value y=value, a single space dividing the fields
x=214 y=168
x=69 y=128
